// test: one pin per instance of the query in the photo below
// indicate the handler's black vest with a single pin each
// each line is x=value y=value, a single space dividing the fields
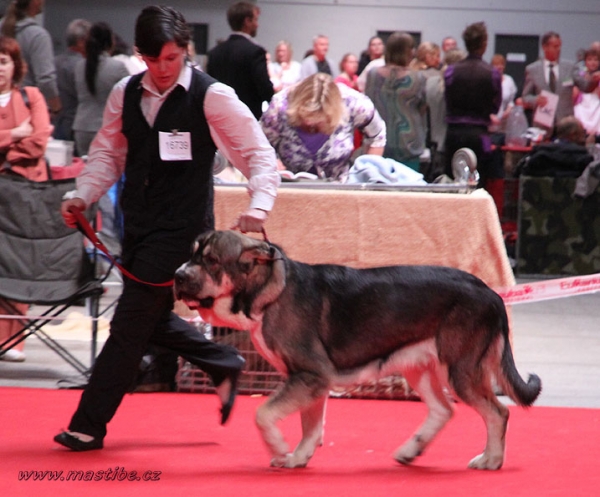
x=167 y=201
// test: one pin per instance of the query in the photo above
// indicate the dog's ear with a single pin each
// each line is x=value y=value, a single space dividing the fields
x=265 y=275
x=199 y=244
x=195 y=246
x=255 y=252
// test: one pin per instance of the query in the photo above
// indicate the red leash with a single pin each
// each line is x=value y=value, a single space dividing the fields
x=264 y=234
x=90 y=234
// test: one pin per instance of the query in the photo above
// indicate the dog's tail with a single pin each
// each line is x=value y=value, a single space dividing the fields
x=521 y=392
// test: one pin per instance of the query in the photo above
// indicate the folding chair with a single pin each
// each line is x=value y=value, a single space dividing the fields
x=44 y=262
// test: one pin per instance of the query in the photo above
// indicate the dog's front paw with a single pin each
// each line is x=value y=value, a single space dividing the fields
x=486 y=461
x=288 y=461
x=280 y=461
x=409 y=451
x=404 y=457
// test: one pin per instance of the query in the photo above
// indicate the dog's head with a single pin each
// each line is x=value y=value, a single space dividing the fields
x=230 y=266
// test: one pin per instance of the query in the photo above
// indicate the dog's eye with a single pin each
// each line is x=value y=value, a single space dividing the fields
x=210 y=260
x=246 y=267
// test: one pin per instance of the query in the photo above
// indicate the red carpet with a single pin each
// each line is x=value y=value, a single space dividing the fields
x=551 y=451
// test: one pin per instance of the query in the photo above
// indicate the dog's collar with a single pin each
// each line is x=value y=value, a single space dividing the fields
x=273 y=251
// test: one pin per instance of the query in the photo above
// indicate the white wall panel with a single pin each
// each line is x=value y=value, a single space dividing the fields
x=349 y=23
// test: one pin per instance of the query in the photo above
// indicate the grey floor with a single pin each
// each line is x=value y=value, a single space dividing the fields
x=557 y=339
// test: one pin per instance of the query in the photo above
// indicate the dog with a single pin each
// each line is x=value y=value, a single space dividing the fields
x=325 y=326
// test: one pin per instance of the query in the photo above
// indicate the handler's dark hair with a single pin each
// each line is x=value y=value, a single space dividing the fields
x=239 y=12
x=157 y=25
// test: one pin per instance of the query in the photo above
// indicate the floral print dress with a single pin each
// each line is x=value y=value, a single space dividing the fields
x=327 y=156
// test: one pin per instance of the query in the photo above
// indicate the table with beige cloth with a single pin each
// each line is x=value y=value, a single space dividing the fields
x=363 y=228
x=375 y=228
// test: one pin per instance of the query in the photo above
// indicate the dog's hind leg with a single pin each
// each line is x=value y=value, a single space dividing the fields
x=426 y=382
x=495 y=415
x=301 y=392
x=475 y=389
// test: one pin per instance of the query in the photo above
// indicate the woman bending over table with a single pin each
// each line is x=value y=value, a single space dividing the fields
x=311 y=127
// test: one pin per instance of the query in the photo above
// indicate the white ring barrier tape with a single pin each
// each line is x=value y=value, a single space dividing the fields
x=518 y=294
x=550 y=289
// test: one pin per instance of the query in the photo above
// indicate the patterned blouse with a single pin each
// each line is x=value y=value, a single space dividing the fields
x=399 y=96
x=327 y=156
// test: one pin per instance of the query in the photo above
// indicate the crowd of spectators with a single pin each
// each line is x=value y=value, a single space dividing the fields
x=418 y=126
x=416 y=111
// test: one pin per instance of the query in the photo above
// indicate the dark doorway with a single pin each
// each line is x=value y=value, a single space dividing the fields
x=200 y=37
x=519 y=51
x=384 y=35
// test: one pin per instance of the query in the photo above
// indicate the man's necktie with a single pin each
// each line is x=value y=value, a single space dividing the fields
x=552 y=79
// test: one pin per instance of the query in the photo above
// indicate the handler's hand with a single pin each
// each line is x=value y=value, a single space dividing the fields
x=66 y=208
x=252 y=220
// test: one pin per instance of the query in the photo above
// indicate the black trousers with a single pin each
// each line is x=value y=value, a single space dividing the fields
x=478 y=139
x=144 y=315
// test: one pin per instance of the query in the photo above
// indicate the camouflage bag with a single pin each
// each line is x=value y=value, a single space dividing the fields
x=558 y=234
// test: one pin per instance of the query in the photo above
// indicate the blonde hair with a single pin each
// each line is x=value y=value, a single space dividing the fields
x=453 y=56
x=286 y=44
x=316 y=101
x=423 y=50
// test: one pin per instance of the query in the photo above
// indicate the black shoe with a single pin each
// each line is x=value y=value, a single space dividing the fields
x=228 y=406
x=73 y=443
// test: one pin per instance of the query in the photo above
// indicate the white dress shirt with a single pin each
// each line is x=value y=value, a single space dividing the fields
x=233 y=128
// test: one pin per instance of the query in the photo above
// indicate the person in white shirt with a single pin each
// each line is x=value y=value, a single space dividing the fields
x=162 y=128
x=509 y=91
x=284 y=72
x=587 y=105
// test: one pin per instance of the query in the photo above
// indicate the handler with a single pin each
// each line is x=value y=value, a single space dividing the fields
x=158 y=129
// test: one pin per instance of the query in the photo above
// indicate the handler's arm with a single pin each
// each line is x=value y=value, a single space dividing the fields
x=238 y=136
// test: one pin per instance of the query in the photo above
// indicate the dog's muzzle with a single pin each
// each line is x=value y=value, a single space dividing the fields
x=186 y=290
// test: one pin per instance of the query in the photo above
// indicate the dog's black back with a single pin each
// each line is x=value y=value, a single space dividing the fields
x=359 y=315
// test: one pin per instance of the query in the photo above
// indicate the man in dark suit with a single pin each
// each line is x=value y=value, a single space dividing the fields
x=241 y=63
x=553 y=75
